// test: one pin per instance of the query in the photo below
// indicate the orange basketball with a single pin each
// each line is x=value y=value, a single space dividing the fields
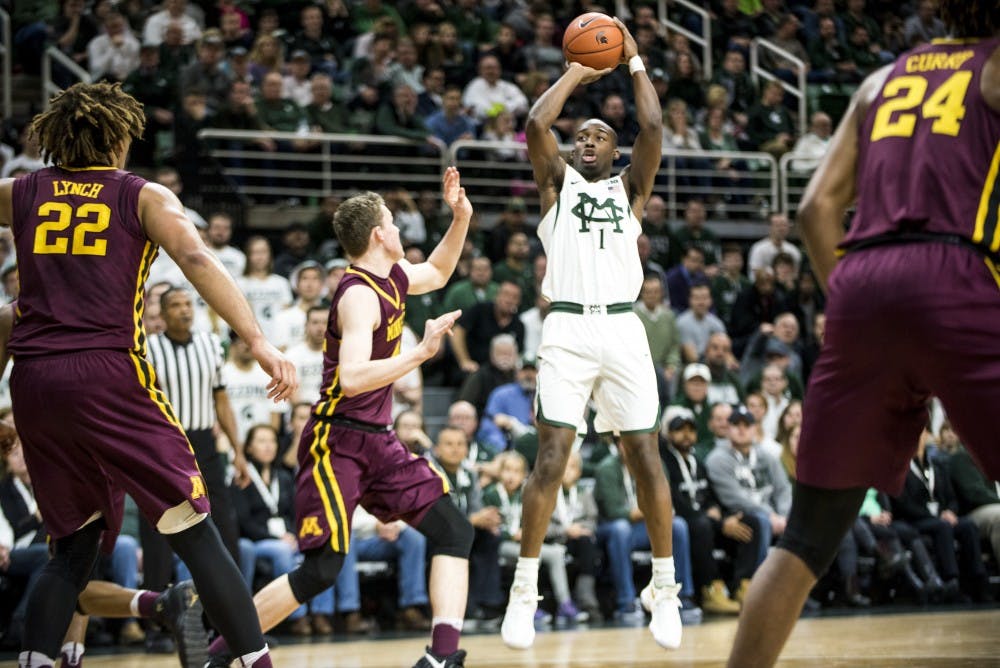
x=593 y=39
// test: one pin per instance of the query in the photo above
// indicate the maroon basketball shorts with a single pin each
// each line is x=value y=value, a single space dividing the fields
x=341 y=466
x=94 y=426
x=903 y=323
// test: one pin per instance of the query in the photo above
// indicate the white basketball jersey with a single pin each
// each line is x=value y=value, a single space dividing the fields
x=590 y=239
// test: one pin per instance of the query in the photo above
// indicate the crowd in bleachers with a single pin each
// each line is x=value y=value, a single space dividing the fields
x=734 y=331
x=441 y=71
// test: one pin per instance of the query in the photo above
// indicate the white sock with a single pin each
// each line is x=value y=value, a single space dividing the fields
x=526 y=572
x=133 y=605
x=449 y=621
x=34 y=660
x=73 y=651
x=251 y=658
x=663 y=571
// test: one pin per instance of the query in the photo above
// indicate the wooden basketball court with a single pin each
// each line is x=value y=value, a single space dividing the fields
x=967 y=638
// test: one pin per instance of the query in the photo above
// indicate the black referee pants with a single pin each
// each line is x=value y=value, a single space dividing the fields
x=157 y=557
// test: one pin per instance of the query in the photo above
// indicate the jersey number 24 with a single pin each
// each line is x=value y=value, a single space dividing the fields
x=946 y=105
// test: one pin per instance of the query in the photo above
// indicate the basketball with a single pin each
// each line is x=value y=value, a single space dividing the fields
x=593 y=40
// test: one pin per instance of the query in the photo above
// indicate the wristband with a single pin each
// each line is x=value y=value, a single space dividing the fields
x=635 y=64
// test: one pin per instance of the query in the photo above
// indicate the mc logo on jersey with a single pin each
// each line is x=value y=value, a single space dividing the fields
x=591 y=212
x=310 y=527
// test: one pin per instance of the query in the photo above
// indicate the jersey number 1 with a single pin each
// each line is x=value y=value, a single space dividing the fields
x=946 y=106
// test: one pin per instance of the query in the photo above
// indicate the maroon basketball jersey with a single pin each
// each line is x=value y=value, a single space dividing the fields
x=83 y=258
x=374 y=407
x=929 y=148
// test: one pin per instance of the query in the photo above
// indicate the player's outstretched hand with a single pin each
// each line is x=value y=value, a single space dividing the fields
x=434 y=331
x=454 y=194
x=282 y=372
x=589 y=74
x=629 y=47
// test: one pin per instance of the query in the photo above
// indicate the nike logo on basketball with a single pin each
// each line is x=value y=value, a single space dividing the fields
x=584 y=24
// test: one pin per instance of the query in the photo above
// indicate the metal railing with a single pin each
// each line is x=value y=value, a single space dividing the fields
x=49 y=87
x=795 y=170
x=333 y=164
x=492 y=172
x=704 y=40
x=758 y=72
x=7 y=53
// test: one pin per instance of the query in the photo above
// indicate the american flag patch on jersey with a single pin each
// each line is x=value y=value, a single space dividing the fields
x=615 y=185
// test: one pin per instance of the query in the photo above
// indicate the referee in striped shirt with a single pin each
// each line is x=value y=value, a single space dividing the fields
x=188 y=368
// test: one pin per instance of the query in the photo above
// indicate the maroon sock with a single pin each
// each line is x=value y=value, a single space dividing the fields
x=147 y=603
x=444 y=639
x=218 y=646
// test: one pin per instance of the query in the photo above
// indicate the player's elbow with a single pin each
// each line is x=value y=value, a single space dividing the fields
x=535 y=125
x=349 y=385
x=650 y=121
x=811 y=211
x=194 y=259
x=437 y=280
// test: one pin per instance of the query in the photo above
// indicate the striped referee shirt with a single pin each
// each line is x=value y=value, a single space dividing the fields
x=189 y=373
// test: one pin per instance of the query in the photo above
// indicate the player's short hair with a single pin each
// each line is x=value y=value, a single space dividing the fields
x=354 y=221
x=317 y=309
x=169 y=293
x=86 y=123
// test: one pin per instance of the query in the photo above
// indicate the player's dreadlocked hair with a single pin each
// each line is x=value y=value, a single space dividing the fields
x=971 y=18
x=86 y=122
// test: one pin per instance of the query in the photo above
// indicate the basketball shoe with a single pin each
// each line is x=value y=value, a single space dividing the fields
x=518 y=628
x=664 y=605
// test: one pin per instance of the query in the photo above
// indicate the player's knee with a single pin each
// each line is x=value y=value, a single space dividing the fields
x=447 y=530
x=550 y=465
x=817 y=524
x=74 y=555
x=317 y=572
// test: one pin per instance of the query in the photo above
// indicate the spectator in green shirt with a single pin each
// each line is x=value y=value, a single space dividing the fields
x=516 y=267
x=478 y=287
x=661 y=327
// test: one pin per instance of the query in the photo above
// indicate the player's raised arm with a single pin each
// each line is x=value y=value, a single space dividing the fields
x=543 y=150
x=648 y=147
x=435 y=272
x=164 y=220
x=831 y=190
